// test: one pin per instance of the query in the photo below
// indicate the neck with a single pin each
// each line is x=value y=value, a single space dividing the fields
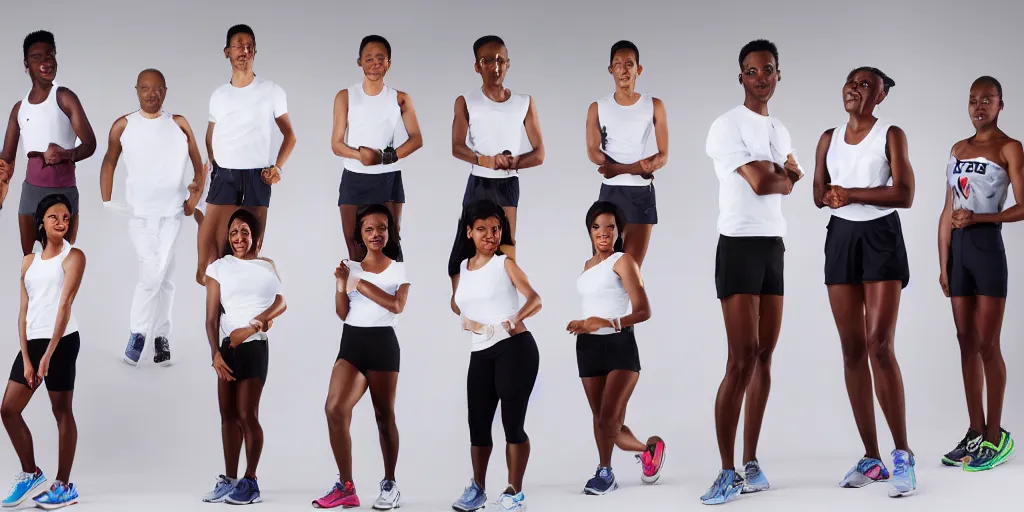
x=373 y=87
x=602 y=254
x=150 y=115
x=53 y=246
x=494 y=91
x=373 y=255
x=42 y=86
x=861 y=122
x=484 y=255
x=755 y=105
x=625 y=94
x=987 y=132
x=242 y=77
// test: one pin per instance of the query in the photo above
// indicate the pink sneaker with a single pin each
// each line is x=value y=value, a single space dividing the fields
x=343 y=496
x=652 y=460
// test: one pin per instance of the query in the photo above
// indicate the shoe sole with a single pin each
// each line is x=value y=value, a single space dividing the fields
x=250 y=502
x=396 y=505
x=129 y=362
x=165 y=364
x=722 y=501
x=459 y=509
x=28 y=495
x=48 y=506
x=952 y=463
x=219 y=500
x=594 y=492
x=649 y=480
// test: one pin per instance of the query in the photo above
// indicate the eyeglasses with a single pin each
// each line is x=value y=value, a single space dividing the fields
x=490 y=61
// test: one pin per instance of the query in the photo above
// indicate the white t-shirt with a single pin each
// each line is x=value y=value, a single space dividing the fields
x=736 y=138
x=156 y=156
x=247 y=289
x=363 y=312
x=244 y=120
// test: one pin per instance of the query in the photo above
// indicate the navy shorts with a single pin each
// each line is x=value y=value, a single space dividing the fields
x=977 y=262
x=864 y=251
x=749 y=265
x=363 y=188
x=238 y=187
x=636 y=202
x=500 y=191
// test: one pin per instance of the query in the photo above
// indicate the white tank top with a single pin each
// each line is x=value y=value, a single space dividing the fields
x=45 y=123
x=44 y=281
x=603 y=293
x=487 y=296
x=978 y=184
x=156 y=156
x=372 y=121
x=624 y=134
x=495 y=127
x=863 y=165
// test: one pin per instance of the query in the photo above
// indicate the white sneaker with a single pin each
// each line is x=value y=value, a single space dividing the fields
x=389 y=496
x=509 y=502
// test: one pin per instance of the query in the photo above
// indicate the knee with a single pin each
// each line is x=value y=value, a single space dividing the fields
x=881 y=349
x=337 y=414
x=990 y=351
x=609 y=423
x=247 y=418
x=228 y=415
x=969 y=343
x=62 y=414
x=9 y=413
x=480 y=437
x=385 y=418
x=741 y=361
x=854 y=353
x=764 y=356
x=516 y=434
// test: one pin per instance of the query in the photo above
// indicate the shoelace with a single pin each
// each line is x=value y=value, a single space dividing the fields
x=387 y=486
x=469 y=493
x=751 y=470
x=899 y=466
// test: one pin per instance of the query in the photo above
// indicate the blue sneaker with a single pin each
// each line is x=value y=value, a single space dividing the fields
x=59 y=495
x=727 y=487
x=903 y=480
x=133 y=351
x=509 y=502
x=221 y=490
x=867 y=471
x=246 y=491
x=473 y=498
x=602 y=483
x=25 y=486
x=753 y=478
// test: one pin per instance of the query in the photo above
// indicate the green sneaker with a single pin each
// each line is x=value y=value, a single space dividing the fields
x=990 y=456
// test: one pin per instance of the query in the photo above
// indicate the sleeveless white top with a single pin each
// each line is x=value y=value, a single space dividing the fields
x=978 y=184
x=603 y=294
x=495 y=127
x=363 y=312
x=44 y=282
x=862 y=165
x=487 y=296
x=624 y=134
x=372 y=121
x=44 y=124
x=156 y=156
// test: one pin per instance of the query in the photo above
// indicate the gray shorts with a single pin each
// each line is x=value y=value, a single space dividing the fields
x=31 y=195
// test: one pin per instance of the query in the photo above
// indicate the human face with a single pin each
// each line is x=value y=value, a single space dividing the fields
x=374 y=231
x=240 y=237
x=862 y=92
x=56 y=221
x=486 y=235
x=151 y=90
x=241 y=51
x=603 y=233
x=42 y=62
x=624 y=69
x=759 y=74
x=375 y=61
x=492 y=63
x=984 y=104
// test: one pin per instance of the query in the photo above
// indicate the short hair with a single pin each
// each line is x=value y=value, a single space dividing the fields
x=887 y=83
x=393 y=248
x=487 y=40
x=759 y=45
x=45 y=204
x=624 y=45
x=990 y=80
x=155 y=71
x=601 y=207
x=255 y=230
x=39 y=36
x=464 y=247
x=374 y=39
x=239 y=29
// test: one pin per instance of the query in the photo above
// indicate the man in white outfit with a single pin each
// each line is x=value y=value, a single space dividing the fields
x=157 y=148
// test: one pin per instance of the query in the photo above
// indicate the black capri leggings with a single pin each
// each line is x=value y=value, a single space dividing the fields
x=503 y=373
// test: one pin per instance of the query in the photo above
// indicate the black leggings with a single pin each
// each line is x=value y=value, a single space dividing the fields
x=505 y=372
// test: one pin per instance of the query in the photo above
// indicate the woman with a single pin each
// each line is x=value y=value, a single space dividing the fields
x=614 y=300
x=370 y=294
x=49 y=351
x=973 y=267
x=243 y=297
x=504 y=361
x=863 y=174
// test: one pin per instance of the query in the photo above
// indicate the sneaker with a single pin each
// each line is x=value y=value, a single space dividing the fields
x=389 y=496
x=133 y=351
x=59 y=495
x=967 y=448
x=602 y=483
x=652 y=461
x=340 y=495
x=162 y=351
x=903 y=480
x=25 y=486
x=753 y=478
x=867 y=471
x=990 y=456
x=221 y=489
x=473 y=498
x=509 y=502
x=726 y=488
x=246 y=491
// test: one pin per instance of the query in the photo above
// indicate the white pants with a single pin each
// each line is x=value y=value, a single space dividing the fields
x=154 y=239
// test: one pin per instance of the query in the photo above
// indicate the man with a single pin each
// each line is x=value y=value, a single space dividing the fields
x=242 y=113
x=755 y=164
x=157 y=147
x=50 y=119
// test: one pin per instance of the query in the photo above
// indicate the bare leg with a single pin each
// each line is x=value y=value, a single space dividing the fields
x=16 y=398
x=67 y=432
x=230 y=428
x=27 y=228
x=213 y=234
x=741 y=325
x=989 y=322
x=882 y=304
x=635 y=239
x=618 y=388
x=769 y=327
x=261 y=214
x=347 y=387
x=383 y=387
x=249 y=392
x=348 y=227
x=200 y=262
x=848 y=310
x=971 y=366
x=510 y=212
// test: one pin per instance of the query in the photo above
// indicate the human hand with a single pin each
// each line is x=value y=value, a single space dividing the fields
x=944 y=283
x=503 y=161
x=835 y=197
x=55 y=154
x=6 y=171
x=223 y=371
x=341 y=275
x=607 y=172
x=793 y=169
x=647 y=164
x=962 y=217
x=370 y=156
x=30 y=374
x=271 y=175
x=44 y=367
x=238 y=336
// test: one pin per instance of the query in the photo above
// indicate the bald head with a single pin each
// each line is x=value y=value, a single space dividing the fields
x=151 y=73
x=151 y=88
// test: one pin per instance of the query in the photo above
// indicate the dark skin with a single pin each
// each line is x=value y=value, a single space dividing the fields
x=56 y=223
x=375 y=63
x=866 y=313
x=979 y=318
x=239 y=401
x=41 y=67
x=348 y=385
x=625 y=69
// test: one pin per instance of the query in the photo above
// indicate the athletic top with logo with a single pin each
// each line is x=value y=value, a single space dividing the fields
x=978 y=184
x=244 y=121
x=495 y=128
x=247 y=289
x=372 y=121
x=487 y=296
x=43 y=124
x=739 y=137
x=603 y=294
x=862 y=165
x=156 y=156
x=44 y=282
x=363 y=312
x=624 y=134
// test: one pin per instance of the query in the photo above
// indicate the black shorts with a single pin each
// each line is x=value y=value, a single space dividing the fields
x=248 y=360
x=977 y=262
x=370 y=349
x=863 y=251
x=749 y=265
x=61 y=375
x=500 y=191
x=597 y=355
x=637 y=203
x=238 y=187
x=363 y=188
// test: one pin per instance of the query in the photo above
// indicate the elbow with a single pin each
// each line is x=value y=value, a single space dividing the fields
x=907 y=199
x=643 y=315
x=415 y=142
x=336 y=149
x=538 y=154
x=342 y=313
x=396 y=307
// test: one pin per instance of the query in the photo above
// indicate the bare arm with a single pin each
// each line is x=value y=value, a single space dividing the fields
x=393 y=303
x=110 y=158
x=209 y=141
x=460 y=129
x=10 y=149
x=1014 y=155
x=945 y=232
x=284 y=124
x=901 y=193
x=597 y=157
x=23 y=311
x=821 y=175
x=412 y=127
x=74 y=268
x=629 y=272
x=536 y=156
x=455 y=286
x=213 y=315
x=522 y=284
x=198 y=176
x=766 y=178
x=68 y=102
x=659 y=159
x=340 y=126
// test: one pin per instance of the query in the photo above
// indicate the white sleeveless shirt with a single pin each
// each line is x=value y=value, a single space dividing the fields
x=862 y=165
x=372 y=121
x=487 y=296
x=156 y=156
x=624 y=134
x=495 y=127
x=603 y=294
x=44 y=282
x=45 y=123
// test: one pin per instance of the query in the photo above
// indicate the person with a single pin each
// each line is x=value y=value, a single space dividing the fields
x=50 y=343
x=504 y=361
x=973 y=269
x=756 y=166
x=863 y=174
x=50 y=119
x=238 y=143
x=618 y=127
x=614 y=300
x=243 y=297
x=157 y=148
x=366 y=118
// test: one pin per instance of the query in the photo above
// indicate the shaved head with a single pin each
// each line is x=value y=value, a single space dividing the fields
x=154 y=72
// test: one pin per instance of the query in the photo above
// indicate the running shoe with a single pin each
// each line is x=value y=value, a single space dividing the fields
x=389 y=496
x=59 y=495
x=162 y=351
x=753 y=478
x=340 y=495
x=133 y=351
x=246 y=492
x=25 y=486
x=727 y=487
x=903 y=480
x=867 y=471
x=652 y=461
x=967 y=449
x=990 y=456
x=509 y=502
x=473 y=498
x=221 y=489
x=602 y=483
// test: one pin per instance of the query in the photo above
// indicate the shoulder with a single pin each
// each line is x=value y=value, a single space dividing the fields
x=64 y=94
x=826 y=136
x=15 y=109
x=271 y=264
x=120 y=123
x=75 y=256
x=624 y=261
x=957 y=145
x=1012 y=149
x=27 y=262
x=658 y=104
x=722 y=125
x=895 y=133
